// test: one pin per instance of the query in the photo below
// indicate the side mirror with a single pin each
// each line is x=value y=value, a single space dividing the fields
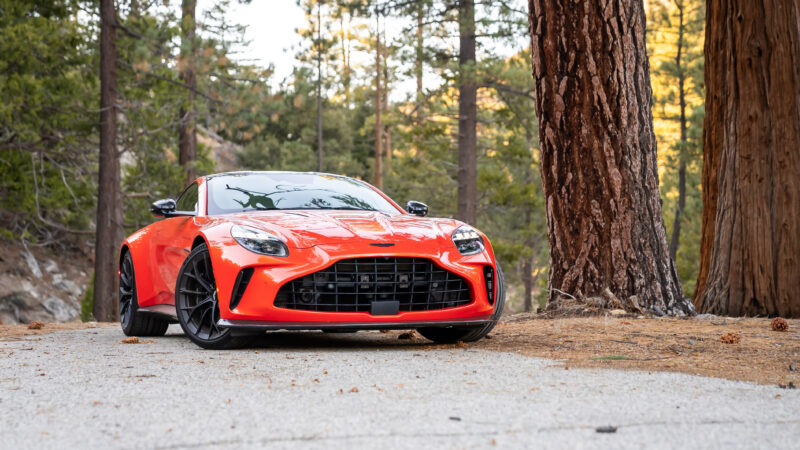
x=417 y=208
x=163 y=208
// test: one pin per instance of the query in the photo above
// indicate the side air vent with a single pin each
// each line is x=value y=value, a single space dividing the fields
x=242 y=280
x=488 y=278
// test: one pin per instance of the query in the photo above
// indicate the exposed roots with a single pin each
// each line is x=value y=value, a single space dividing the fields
x=580 y=305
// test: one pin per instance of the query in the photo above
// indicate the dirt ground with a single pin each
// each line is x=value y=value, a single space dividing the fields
x=690 y=346
x=13 y=332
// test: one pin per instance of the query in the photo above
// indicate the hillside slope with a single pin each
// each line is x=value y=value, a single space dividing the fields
x=39 y=284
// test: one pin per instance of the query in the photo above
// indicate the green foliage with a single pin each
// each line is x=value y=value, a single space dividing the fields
x=46 y=86
x=49 y=96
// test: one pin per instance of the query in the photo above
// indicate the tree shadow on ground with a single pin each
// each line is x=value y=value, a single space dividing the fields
x=318 y=340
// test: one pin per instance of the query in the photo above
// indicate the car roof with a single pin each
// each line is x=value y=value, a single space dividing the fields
x=268 y=172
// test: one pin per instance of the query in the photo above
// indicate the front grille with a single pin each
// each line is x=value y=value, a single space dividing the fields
x=351 y=285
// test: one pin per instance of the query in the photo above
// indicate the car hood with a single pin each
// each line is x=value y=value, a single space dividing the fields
x=307 y=228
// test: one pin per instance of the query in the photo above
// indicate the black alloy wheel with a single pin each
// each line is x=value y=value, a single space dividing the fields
x=197 y=304
x=469 y=333
x=133 y=321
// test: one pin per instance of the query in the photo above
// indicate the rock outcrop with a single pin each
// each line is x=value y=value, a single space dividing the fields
x=35 y=287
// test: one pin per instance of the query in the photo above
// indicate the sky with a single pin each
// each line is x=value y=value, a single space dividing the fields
x=271 y=30
x=271 y=26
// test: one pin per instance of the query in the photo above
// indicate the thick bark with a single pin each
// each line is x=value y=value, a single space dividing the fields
x=598 y=154
x=187 y=128
x=676 y=224
x=109 y=231
x=319 y=86
x=378 y=181
x=467 y=115
x=749 y=262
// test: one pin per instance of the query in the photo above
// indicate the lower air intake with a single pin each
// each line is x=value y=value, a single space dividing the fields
x=239 y=286
x=351 y=285
x=488 y=278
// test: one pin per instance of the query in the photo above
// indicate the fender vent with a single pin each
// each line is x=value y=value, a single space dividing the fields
x=239 y=286
x=352 y=285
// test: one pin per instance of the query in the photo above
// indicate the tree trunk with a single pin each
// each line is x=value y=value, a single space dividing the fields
x=598 y=154
x=387 y=130
x=319 y=85
x=388 y=137
x=527 y=269
x=345 y=38
x=749 y=263
x=418 y=61
x=378 y=109
x=109 y=233
x=467 y=115
x=527 y=282
x=676 y=224
x=187 y=129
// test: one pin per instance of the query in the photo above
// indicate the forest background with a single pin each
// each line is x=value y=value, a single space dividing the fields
x=377 y=80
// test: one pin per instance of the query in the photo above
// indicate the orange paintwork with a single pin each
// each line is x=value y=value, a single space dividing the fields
x=316 y=239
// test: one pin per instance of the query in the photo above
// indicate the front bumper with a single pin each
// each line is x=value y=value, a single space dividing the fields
x=255 y=326
x=256 y=309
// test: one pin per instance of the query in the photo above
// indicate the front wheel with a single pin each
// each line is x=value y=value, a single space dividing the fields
x=134 y=322
x=469 y=333
x=197 y=305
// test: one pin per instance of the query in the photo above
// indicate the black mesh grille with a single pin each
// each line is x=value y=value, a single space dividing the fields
x=351 y=285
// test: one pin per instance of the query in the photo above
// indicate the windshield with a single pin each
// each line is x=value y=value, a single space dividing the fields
x=276 y=190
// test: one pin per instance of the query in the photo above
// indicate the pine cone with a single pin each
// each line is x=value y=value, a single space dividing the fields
x=778 y=324
x=730 y=338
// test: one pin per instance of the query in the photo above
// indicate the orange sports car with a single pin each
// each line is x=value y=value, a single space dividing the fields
x=244 y=252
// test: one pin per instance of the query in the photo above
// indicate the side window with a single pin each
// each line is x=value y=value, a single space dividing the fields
x=188 y=200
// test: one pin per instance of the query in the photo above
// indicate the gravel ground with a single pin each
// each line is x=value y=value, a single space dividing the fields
x=312 y=390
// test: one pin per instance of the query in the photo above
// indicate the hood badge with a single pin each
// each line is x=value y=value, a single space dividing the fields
x=383 y=244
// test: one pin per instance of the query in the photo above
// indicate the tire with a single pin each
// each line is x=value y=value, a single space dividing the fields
x=135 y=323
x=197 y=305
x=469 y=333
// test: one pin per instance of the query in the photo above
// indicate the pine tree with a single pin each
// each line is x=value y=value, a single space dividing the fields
x=598 y=156
x=187 y=139
x=751 y=160
x=109 y=233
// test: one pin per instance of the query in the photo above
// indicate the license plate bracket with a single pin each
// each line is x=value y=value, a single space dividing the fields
x=385 y=308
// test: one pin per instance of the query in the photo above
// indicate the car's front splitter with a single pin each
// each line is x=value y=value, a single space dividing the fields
x=247 y=326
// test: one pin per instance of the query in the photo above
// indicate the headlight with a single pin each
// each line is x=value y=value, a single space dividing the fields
x=259 y=241
x=467 y=240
